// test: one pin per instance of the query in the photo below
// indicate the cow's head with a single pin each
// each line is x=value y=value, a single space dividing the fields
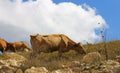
x=79 y=48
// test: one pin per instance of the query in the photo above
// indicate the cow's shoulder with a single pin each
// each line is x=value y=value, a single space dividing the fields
x=67 y=40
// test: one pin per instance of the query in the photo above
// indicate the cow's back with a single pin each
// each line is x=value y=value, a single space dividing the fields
x=14 y=46
x=46 y=42
x=53 y=40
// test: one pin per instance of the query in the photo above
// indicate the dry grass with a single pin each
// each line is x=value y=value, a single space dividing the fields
x=51 y=61
x=113 y=48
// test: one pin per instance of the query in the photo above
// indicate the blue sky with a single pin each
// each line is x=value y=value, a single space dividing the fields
x=108 y=9
x=77 y=19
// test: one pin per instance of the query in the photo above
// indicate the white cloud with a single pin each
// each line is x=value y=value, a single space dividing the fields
x=20 y=19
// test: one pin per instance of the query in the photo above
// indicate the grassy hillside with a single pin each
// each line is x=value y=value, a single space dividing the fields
x=112 y=47
x=51 y=61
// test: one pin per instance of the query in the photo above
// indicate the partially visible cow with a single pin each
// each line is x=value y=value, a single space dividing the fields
x=18 y=46
x=3 y=45
x=54 y=42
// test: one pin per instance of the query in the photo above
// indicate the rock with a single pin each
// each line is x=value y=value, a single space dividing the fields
x=107 y=71
x=36 y=70
x=8 y=71
x=117 y=58
x=26 y=50
x=11 y=62
x=71 y=67
x=76 y=70
x=111 y=66
x=1 y=71
x=116 y=69
x=72 y=64
x=92 y=58
x=14 y=56
x=19 y=71
x=63 y=71
x=95 y=71
x=112 y=63
x=7 y=67
x=86 y=72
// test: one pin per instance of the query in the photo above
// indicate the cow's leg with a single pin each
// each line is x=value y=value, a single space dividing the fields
x=2 y=51
x=14 y=50
x=60 y=51
x=59 y=54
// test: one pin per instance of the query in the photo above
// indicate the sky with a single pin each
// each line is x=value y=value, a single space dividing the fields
x=81 y=20
x=109 y=10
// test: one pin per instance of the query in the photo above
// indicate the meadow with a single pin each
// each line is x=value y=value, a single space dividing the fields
x=51 y=61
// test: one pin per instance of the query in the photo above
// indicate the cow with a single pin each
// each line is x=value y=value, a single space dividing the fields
x=18 y=46
x=54 y=42
x=3 y=45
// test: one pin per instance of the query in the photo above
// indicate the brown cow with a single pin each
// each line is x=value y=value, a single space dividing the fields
x=54 y=42
x=3 y=45
x=14 y=46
